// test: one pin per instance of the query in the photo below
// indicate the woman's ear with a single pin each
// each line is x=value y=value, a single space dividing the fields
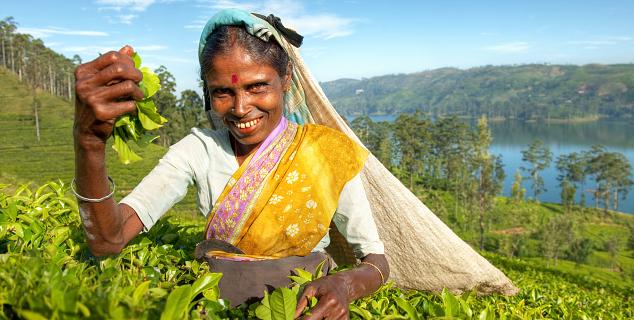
x=288 y=77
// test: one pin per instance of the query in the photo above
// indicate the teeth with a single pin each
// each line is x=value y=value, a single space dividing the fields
x=249 y=124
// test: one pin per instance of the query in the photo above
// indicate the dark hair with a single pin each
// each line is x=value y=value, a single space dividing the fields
x=225 y=38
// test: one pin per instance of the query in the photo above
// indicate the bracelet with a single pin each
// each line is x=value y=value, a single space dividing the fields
x=82 y=198
x=377 y=269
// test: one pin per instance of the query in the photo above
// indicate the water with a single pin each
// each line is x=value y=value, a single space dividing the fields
x=511 y=137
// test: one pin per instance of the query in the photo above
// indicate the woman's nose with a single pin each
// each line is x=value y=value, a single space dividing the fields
x=241 y=106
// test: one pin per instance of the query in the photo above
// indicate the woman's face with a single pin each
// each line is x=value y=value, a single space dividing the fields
x=247 y=95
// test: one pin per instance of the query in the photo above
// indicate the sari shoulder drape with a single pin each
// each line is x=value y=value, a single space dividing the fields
x=297 y=198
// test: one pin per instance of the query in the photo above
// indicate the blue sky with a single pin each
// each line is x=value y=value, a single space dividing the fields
x=347 y=38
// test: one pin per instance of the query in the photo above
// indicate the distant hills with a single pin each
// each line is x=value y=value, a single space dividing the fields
x=526 y=92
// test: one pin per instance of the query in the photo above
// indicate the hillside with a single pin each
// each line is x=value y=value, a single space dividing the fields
x=24 y=159
x=521 y=92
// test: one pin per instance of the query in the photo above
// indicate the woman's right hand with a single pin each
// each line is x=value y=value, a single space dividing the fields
x=105 y=89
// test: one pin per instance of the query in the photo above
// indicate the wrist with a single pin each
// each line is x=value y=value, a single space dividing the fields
x=89 y=143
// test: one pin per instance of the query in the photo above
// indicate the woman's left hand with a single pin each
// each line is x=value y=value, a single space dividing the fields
x=332 y=292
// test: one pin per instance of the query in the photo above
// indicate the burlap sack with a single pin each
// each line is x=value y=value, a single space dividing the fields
x=423 y=252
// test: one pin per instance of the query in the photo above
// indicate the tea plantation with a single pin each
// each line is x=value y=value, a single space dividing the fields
x=47 y=272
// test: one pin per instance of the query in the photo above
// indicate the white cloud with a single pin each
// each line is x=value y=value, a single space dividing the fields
x=133 y=5
x=293 y=15
x=128 y=9
x=126 y=18
x=46 y=32
x=87 y=49
x=323 y=26
x=509 y=47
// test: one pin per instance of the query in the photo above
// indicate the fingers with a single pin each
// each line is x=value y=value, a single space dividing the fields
x=308 y=293
x=104 y=61
x=127 y=50
x=329 y=306
x=115 y=73
x=107 y=112
x=121 y=90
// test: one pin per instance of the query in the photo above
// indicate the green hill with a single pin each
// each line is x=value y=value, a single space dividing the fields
x=520 y=92
x=25 y=159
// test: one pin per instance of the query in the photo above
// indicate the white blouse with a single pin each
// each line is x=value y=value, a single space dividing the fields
x=206 y=159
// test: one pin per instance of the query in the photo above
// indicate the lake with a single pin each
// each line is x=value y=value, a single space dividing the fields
x=511 y=137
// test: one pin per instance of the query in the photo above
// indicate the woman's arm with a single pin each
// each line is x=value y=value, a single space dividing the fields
x=355 y=222
x=105 y=89
x=335 y=292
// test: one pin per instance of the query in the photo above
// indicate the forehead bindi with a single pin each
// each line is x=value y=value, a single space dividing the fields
x=234 y=78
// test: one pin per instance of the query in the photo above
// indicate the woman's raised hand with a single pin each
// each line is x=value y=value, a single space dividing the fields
x=105 y=89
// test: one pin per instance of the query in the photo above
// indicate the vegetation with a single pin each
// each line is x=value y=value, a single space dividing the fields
x=48 y=273
x=135 y=128
x=569 y=261
x=525 y=92
x=35 y=64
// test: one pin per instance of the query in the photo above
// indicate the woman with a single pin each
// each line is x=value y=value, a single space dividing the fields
x=275 y=185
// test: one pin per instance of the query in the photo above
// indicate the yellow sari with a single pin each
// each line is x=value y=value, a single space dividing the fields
x=280 y=202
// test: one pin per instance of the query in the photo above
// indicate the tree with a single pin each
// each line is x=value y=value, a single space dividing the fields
x=580 y=250
x=412 y=134
x=555 y=235
x=568 y=192
x=572 y=175
x=538 y=157
x=612 y=173
x=191 y=110
x=489 y=175
x=517 y=192
x=165 y=100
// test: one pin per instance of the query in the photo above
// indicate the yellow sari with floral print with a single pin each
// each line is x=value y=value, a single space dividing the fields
x=280 y=202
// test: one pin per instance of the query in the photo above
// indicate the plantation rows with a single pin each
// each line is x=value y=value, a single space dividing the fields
x=47 y=272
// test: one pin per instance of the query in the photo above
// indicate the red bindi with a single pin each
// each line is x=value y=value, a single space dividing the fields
x=234 y=78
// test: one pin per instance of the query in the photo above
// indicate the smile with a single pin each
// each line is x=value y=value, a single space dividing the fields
x=247 y=124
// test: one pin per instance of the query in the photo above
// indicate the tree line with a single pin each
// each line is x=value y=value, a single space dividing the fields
x=451 y=156
x=34 y=63
x=610 y=171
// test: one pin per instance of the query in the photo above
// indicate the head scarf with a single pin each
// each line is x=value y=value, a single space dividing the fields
x=295 y=108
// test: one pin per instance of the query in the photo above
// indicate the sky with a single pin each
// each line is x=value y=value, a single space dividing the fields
x=346 y=38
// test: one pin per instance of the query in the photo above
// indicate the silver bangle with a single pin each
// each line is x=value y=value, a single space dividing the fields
x=82 y=198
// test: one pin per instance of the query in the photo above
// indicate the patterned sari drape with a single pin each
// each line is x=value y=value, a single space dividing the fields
x=279 y=203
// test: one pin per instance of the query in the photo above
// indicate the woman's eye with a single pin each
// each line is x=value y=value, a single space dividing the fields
x=220 y=93
x=258 y=87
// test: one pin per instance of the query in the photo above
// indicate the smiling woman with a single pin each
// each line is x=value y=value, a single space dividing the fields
x=270 y=187
x=270 y=180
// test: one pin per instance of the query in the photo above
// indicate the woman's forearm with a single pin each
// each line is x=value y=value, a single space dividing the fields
x=365 y=279
x=102 y=220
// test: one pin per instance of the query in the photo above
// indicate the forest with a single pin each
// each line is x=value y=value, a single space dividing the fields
x=523 y=92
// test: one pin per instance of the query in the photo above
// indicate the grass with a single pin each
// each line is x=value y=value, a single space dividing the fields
x=24 y=159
